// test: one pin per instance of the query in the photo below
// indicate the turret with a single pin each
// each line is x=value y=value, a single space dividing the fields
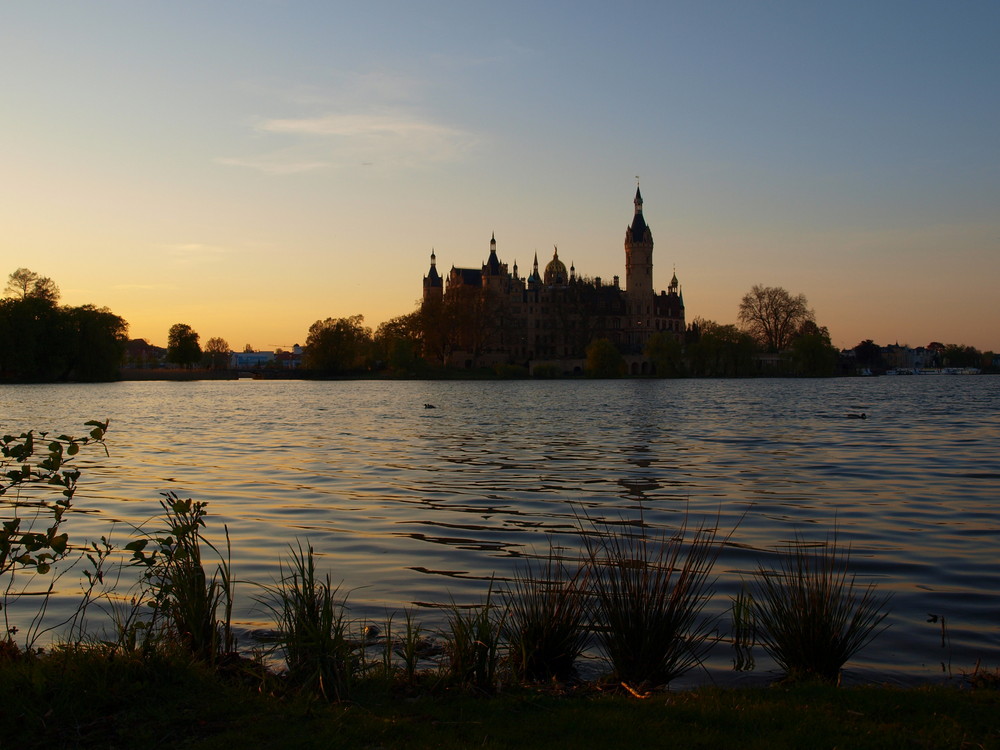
x=492 y=266
x=535 y=278
x=433 y=283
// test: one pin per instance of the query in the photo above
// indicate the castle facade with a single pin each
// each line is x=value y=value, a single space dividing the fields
x=492 y=315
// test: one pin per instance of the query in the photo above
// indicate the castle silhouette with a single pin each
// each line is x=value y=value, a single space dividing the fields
x=488 y=316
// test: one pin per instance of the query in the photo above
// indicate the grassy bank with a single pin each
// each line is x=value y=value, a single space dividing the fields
x=90 y=700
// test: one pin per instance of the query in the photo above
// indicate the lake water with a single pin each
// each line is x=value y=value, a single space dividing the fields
x=410 y=506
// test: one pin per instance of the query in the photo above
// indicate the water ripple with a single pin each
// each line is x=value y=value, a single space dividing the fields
x=408 y=508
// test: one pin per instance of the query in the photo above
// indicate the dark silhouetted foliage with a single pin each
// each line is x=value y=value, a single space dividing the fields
x=338 y=345
x=182 y=345
x=43 y=342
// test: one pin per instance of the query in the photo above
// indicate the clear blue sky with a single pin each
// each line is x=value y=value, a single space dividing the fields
x=250 y=167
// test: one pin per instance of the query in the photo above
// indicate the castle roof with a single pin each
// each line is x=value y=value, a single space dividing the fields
x=493 y=263
x=555 y=271
x=469 y=276
x=639 y=228
x=433 y=278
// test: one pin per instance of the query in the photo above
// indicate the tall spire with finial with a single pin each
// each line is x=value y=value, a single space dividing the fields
x=433 y=283
x=492 y=266
x=638 y=258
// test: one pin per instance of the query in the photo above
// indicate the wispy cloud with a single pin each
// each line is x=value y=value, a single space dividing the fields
x=361 y=126
x=191 y=253
x=274 y=163
x=332 y=140
x=142 y=287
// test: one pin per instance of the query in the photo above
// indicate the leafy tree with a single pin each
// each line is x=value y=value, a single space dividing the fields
x=773 y=316
x=717 y=350
x=100 y=339
x=868 y=355
x=338 y=345
x=34 y=340
x=666 y=353
x=182 y=345
x=24 y=284
x=217 y=351
x=604 y=360
x=42 y=342
x=397 y=343
x=812 y=354
x=960 y=355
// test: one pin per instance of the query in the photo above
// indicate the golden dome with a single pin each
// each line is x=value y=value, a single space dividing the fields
x=555 y=271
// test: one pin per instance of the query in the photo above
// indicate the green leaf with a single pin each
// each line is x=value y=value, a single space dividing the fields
x=58 y=543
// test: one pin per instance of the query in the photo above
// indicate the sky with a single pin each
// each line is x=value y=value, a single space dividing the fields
x=251 y=167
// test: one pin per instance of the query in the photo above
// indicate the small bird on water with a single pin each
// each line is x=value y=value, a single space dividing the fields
x=862 y=415
x=429 y=406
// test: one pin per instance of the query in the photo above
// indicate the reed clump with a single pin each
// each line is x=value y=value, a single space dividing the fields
x=473 y=644
x=544 y=627
x=810 y=612
x=648 y=591
x=744 y=631
x=312 y=628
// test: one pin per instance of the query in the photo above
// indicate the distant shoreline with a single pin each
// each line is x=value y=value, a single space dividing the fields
x=177 y=374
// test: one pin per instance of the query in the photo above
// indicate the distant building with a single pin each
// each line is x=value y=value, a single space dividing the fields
x=898 y=357
x=140 y=354
x=285 y=360
x=249 y=360
x=552 y=315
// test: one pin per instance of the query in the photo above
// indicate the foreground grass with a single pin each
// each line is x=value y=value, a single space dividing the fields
x=94 y=701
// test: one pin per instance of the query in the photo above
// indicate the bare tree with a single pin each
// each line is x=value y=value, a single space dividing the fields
x=773 y=316
x=26 y=284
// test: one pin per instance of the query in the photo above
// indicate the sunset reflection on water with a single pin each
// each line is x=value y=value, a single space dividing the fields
x=410 y=506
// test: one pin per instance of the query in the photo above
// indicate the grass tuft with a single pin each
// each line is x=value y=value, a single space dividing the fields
x=744 y=631
x=811 y=614
x=648 y=591
x=473 y=645
x=312 y=628
x=546 y=612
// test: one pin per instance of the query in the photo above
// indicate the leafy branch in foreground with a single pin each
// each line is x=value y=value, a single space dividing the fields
x=31 y=537
x=184 y=600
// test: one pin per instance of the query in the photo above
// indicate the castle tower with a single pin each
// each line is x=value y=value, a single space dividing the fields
x=638 y=256
x=494 y=272
x=433 y=283
x=639 y=296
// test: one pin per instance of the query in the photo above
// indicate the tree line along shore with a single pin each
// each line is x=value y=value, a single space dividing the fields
x=776 y=335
